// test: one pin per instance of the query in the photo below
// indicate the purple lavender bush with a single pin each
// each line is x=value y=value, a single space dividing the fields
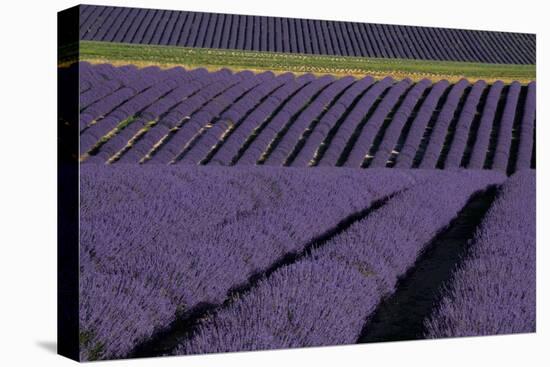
x=493 y=291
x=418 y=125
x=463 y=125
x=394 y=130
x=366 y=137
x=265 y=139
x=254 y=121
x=310 y=113
x=352 y=121
x=527 y=135
x=329 y=122
x=483 y=136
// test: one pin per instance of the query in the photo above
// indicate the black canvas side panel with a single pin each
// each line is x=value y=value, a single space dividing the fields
x=67 y=188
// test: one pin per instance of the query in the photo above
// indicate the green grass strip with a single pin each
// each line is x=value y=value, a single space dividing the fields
x=144 y=55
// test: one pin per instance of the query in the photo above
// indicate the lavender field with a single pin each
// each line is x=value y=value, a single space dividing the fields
x=179 y=259
x=243 y=208
x=303 y=36
x=296 y=245
x=190 y=117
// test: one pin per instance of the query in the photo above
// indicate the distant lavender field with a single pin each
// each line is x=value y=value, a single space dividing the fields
x=195 y=117
x=303 y=36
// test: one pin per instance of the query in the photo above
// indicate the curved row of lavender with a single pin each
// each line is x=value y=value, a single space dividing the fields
x=494 y=290
x=158 y=242
x=304 y=36
x=326 y=297
x=179 y=116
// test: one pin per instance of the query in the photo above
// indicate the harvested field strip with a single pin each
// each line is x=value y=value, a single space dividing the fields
x=168 y=56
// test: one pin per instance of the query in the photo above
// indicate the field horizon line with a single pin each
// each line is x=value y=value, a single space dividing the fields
x=260 y=61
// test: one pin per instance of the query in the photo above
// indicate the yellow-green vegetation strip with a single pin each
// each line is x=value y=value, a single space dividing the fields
x=213 y=59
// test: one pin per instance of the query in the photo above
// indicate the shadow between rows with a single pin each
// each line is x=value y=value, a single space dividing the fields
x=401 y=316
x=163 y=342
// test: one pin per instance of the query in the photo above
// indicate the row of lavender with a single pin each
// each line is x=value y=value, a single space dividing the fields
x=494 y=291
x=176 y=116
x=305 y=36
